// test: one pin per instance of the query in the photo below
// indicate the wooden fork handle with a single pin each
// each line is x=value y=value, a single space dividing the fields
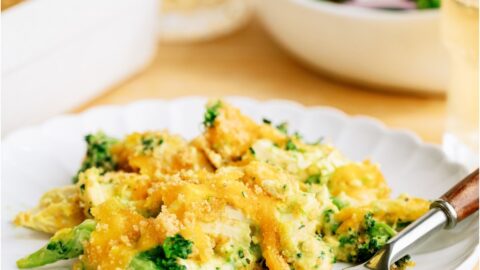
x=464 y=196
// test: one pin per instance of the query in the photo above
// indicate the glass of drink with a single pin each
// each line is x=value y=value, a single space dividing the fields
x=460 y=35
x=191 y=20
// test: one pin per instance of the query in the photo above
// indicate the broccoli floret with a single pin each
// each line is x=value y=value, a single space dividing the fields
x=211 y=114
x=256 y=250
x=65 y=244
x=330 y=225
x=155 y=258
x=403 y=262
x=400 y=225
x=328 y=215
x=283 y=127
x=177 y=246
x=377 y=229
x=149 y=143
x=367 y=250
x=339 y=203
x=348 y=239
x=313 y=179
x=361 y=246
x=164 y=257
x=98 y=153
x=377 y=235
x=290 y=146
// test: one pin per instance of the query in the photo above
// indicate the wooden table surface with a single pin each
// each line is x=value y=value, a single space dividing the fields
x=249 y=63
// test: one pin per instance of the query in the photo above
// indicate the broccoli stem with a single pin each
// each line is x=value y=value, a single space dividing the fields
x=139 y=262
x=65 y=244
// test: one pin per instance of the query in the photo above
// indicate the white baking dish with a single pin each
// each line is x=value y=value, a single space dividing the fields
x=59 y=53
x=399 y=51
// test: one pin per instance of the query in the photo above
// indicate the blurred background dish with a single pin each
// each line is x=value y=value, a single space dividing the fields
x=9 y=3
x=398 y=5
x=193 y=20
x=58 y=54
x=399 y=50
x=460 y=35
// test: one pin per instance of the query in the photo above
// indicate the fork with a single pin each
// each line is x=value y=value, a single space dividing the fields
x=454 y=206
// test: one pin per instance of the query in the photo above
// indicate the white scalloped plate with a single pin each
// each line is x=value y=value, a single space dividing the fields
x=42 y=157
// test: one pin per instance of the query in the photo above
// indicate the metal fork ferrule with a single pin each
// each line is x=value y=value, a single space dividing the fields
x=448 y=210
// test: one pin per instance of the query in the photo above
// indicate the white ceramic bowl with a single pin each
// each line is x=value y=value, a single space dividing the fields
x=390 y=50
x=46 y=156
x=57 y=54
x=202 y=23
